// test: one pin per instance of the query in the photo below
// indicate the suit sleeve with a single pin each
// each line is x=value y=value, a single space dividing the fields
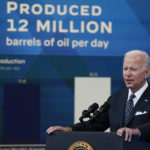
x=145 y=131
x=100 y=124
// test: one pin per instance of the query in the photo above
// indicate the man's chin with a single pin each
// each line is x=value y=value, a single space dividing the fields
x=129 y=86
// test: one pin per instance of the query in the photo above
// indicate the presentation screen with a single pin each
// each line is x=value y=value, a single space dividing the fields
x=76 y=28
x=45 y=45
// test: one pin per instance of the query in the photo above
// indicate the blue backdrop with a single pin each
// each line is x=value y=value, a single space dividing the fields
x=48 y=43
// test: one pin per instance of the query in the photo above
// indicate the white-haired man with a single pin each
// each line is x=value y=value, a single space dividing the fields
x=129 y=110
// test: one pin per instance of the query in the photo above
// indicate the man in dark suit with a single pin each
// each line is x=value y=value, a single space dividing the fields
x=129 y=110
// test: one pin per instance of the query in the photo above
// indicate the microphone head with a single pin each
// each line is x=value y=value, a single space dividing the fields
x=86 y=113
x=105 y=106
x=102 y=108
x=93 y=107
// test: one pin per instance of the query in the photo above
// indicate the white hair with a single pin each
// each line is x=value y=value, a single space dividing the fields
x=146 y=63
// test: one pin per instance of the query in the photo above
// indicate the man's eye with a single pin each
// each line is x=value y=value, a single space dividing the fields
x=133 y=69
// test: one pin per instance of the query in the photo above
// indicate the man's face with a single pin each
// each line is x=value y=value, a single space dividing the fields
x=133 y=73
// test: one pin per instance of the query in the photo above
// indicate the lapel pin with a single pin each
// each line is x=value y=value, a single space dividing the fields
x=146 y=100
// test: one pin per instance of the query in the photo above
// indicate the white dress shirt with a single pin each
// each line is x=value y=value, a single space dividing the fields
x=138 y=94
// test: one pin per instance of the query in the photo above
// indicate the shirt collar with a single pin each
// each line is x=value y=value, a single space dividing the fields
x=139 y=92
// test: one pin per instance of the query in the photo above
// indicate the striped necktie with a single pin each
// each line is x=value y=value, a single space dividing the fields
x=129 y=108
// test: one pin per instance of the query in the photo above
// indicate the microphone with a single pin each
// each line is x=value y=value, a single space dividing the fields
x=103 y=108
x=86 y=113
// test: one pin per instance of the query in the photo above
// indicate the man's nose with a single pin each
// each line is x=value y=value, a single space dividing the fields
x=128 y=73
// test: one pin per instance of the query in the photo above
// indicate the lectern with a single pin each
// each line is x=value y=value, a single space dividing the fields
x=60 y=140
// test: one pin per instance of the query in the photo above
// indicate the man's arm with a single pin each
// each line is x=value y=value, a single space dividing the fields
x=58 y=128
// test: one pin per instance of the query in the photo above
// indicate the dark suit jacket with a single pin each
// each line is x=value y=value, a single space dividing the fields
x=114 y=117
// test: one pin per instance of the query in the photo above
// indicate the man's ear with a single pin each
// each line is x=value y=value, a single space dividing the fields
x=147 y=73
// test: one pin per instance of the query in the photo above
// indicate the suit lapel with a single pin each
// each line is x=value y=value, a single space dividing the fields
x=122 y=107
x=142 y=102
